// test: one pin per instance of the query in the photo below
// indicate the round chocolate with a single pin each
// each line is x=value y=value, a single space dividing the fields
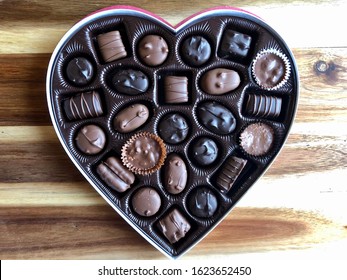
x=195 y=50
x=173 y=128
x=153 y=50
x=79 y=71
x=130 y=82
x=202 y=202
x=90 y=139
x=146 y=202
x=216 y=118
x=257 y=139
x=204 y=151
x=144 y=153
x=269 y=69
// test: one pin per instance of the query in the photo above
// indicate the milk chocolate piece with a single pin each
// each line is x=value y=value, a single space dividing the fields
x=111 y=46
x=257 y=139
x=144 y=153
x=229 y=172
x=173 y=128
x=146 y=202
x=216 y=118
x=79 y=71
x=204 y=151
x=131 y=118
x=90 y=139
x=174 y=226
x=202 y=202
x=270 y=69
x=83 y=106
x=176 y=89
x=153 y=50
x=195 y=50
x=175 y=174
x=263 y=106
x=130 y=82
x=235 y=44
x=115 y=174
x=219 y=81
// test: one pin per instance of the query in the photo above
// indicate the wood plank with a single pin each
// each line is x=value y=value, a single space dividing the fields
x=23 y=100
x=97 y=232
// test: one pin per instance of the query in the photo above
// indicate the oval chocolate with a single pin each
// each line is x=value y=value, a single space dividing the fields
x=219 y=81
x=131 y=118
x=175 y=174
x=216 y=118
x=130 y=82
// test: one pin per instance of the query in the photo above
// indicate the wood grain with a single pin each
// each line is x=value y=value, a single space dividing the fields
x=49 y=211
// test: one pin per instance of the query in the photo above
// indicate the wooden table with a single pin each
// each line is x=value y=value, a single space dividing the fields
x=49 y=211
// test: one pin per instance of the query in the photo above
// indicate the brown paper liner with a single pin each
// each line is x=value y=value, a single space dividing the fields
x=141 y=171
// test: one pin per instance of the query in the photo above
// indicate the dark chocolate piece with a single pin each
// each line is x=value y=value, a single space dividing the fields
x=130 y=82
x=229 y=172
x=176 y=89
x=204 y=151
x=146 y=201
x=144 y=153
x=111 y=46
x=195 y=50
x=270 y=69
x=83 y=106
x=219 y=81
x=257 y=139
x=79 y=71
x=175 y=174
x=216 y=118
x=131 y=118
x=153 y=50
x=174 y=226
x=115 y=174
x=235 y=44
x=90 y=139
x=263 y=106
x=173 y=128
x=202 y=202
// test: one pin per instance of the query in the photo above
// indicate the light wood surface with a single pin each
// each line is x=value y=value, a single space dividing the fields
x=49 y=211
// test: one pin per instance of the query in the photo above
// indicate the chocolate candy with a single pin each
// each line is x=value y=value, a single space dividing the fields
x=174 y=226
x=270 y=69
x=153 y=50
x=257 y=139
x=219 y=81
x=230 y=171
x=235 y=44
x=83 y=106
x=173 y=128
x=90 y=139
x=196 y=50
x=176 y=89
x=115 y=174
x=79 y=71
x=175 y=174
x=216 y=117
x=146 y=202
x=202 y=202
x=144 y=153
x=111 y=46
x=130 y=82
x=131 y=118
x=190 y=91
x=263 y=106
x=204 y=151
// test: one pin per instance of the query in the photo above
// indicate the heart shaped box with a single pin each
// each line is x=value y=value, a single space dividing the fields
x=183 y=218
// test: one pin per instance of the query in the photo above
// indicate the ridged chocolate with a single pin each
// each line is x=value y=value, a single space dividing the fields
x=229 y=172
x=263 y=106
x=83 y=106
x=111 y=46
